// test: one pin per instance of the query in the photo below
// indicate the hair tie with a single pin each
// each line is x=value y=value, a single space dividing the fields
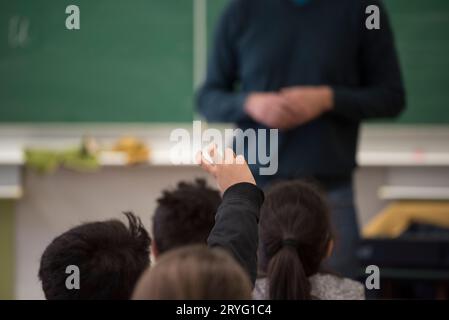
x=289 y=242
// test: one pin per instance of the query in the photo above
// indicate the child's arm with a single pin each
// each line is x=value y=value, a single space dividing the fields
x=236 y=221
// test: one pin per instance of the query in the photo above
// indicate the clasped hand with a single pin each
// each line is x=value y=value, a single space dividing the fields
x=290 y=107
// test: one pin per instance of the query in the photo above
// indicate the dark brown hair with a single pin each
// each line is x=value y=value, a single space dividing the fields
x=194 y=272
x=185 y=215
x=295 y=232
x=110 y=256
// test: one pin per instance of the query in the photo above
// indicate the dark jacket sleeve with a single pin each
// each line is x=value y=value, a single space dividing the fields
x=381 y=91
x=236 y=225
x=217 y=99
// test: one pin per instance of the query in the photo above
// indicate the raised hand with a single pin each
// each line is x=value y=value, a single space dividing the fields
x=227 y=169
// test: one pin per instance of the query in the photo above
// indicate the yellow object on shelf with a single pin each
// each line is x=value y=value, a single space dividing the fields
x=398 y=216
x=135 y=149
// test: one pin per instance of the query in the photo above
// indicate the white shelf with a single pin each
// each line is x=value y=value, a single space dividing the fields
x=10 y=192
x=379 y=145
x=401 y=158
x=11 y=156
x=413 y=193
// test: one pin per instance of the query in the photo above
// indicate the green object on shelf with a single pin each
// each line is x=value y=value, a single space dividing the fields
x=47 y=161
x=43 y=161
x=7 y=249
x=79 y=161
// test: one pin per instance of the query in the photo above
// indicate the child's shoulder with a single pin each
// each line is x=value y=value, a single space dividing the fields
x=331 y=287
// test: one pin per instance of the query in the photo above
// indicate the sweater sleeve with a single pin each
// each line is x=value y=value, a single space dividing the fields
x=381 y=93
x=236 y=225
x=217 y=99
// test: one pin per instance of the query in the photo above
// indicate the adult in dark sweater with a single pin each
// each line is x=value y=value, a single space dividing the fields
x=313 y=70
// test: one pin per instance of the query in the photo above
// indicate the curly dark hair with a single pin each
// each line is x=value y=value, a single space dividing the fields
x=110 y=257
x=185 y=215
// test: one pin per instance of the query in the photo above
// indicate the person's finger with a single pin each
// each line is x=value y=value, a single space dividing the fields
x=210 y=168
x=240 y=159
x=229 y=156
x=287 y=118
x=294 y=111
x=215 y=154
x=210 y=148
x=288 y=110
x=291 y=100
x=292 y=95
x=198 y=157
x=206 y=165
x=212 y=152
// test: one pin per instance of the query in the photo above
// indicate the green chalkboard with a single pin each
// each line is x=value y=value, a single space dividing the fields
x=422 y=36
x=130 y=61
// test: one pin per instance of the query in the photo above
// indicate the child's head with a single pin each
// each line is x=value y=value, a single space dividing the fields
x=194 y=272
x=110 y=257
x=184 y=216
x=295 y=236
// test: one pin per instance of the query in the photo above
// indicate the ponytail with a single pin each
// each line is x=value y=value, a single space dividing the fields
x=294 y=238
x=286 y=276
